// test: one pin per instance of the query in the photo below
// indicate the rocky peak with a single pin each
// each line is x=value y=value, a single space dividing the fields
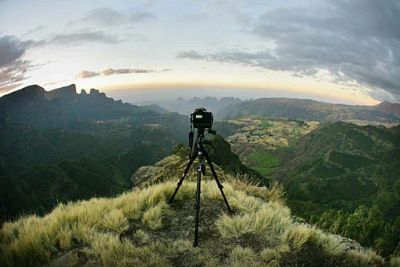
x=69 y=90
x=28 y=93
x=95 y=92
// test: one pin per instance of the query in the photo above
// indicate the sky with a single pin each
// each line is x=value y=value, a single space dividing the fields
x=336 y=51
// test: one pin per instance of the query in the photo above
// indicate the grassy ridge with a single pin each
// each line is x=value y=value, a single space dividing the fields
x=140 y=228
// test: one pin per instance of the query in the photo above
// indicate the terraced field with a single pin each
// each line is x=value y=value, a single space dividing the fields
x=258 y=137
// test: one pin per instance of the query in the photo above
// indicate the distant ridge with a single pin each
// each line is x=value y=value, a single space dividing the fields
x=391 y=108
x=306 y=109
x=34 y=106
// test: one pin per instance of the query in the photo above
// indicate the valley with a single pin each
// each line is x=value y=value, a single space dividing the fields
x=336 y=175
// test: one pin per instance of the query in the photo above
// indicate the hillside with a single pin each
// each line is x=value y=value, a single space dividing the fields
x=345 y=178
x=253 y=137
x=303 y=109
x=57 y=146
x=140 y=228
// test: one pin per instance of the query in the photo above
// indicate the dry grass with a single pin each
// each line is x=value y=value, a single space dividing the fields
x=154 y=216
x=364 y=258
x=240 y=257
x=297 y=235
x=329 y=243
x=394 y=262
x=270 y=221
x=101 y=230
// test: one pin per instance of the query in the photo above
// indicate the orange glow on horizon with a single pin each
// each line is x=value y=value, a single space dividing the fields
x=339 y=94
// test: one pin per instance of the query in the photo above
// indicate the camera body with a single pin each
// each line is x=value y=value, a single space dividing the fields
x=201 y=119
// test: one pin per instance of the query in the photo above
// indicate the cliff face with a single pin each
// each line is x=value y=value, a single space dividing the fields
x=140 y=228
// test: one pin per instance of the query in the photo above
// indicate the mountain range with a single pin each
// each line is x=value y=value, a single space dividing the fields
x=187 y=106
x=57 y=146
x=304 y=109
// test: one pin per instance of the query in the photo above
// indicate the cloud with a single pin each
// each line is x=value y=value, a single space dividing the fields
x=355 y=41
x=12 y=76
x=11 y=49
x=111 y=17
x=110 y=71
x=13 y=68
x=191 y=54
x=87 y=74
x=34 y=31
x=82 y=36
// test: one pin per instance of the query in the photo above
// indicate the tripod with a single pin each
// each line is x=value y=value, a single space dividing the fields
x=199 y=152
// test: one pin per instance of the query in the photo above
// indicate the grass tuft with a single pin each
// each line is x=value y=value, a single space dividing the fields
x=115 y=221
x=153 y=217
x=270 y=221
x=364 y=258
x=296 y=236
x=240 y=257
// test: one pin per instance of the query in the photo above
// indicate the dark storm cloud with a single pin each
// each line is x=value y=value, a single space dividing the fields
x=111 y=17
x=355 y=40
x=110 y=71
x=13 y=68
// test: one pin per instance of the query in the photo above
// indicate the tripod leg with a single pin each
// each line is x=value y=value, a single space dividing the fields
x=183 y=177
x=197 y=207
x=220 y=186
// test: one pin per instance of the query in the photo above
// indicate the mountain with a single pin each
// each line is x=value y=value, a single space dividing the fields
x=341 y=176
x=63 y=107
x=345 y=178
x=391 y=108
x=139 y=228
x=57 y=146
x=187 y=106
x=303 y=109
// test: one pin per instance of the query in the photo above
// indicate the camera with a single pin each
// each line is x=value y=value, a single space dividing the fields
x=201 y=119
